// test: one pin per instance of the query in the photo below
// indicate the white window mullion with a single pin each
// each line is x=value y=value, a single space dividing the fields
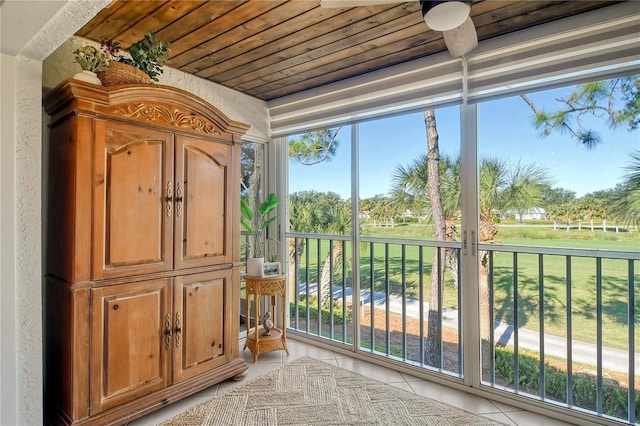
x=355 y=234
x=278 y=166
x=469 y=279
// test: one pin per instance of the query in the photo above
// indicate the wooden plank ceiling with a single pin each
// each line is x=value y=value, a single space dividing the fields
x=268 y=49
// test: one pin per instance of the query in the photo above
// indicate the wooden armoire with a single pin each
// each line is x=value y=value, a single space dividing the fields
x=142 y=285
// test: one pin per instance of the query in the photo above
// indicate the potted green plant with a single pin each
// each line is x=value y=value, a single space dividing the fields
x=146 y=58
x=91 y=61
x=255 y=222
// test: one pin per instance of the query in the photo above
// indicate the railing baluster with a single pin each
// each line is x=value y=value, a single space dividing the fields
x=631 y=318
x=491 y=319
x=386 y=298
x=307 y=278
x=599 y=335
x=344 y=292
x=404 y=302
x=516 y=355
x=541 y=323
x=296 y=267
x=421 y=297
x=460 y=316
x=440 y=272
x=569 y=338
x=331 y=331
x=372 y=303
x=319 y=284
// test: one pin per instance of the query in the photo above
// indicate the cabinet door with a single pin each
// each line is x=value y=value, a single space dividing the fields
x=130 y=348
x=203 y=218
x=133 y=212
x=201 y=317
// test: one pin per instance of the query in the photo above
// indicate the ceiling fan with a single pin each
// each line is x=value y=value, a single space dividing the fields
x=449 y=16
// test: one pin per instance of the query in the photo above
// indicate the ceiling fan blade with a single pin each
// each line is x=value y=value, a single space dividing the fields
x=461 y=40
x=354 y=3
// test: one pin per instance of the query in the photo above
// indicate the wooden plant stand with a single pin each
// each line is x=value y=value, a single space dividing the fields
x=257 y=341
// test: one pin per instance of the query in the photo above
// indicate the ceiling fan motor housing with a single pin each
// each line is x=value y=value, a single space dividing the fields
x=445 y=15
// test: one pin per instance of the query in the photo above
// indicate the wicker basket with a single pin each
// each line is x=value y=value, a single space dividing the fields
x=119 y=73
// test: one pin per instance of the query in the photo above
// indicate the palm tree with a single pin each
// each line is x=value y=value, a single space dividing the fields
x=410 y=188
x=523 y=188
x=590 y=206
x=554 y=213
x=603 y=214
x=297 y=214
x=499 y=185
x=569 y=213
x=340 y=224
x=627 y=203
x=382 y=211
x=493 y=178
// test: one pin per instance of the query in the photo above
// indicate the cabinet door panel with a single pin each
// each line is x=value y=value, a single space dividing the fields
x=129 y=351
x=203 y=219
x=200 y=310
x=133 y=223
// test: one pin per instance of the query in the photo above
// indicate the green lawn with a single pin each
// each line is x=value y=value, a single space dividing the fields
x=583 y=278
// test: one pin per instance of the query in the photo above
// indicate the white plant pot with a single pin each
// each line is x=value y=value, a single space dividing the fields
x=88 y=76
x=254 y=266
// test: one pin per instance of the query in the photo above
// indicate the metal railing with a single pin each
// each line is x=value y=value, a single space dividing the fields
x=591 y=349
x=557 y=314
x=393 y=303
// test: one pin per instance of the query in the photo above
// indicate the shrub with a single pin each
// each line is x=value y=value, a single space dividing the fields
x=614 y=398
x=325 y=312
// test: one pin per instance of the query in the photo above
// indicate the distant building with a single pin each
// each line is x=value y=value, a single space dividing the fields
x=535 y=213
x=365 y=214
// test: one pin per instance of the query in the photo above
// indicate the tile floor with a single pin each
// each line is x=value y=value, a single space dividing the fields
x=270 y=361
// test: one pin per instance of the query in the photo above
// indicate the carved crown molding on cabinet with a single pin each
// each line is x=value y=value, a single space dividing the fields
x=173 y=117
x=165 y=106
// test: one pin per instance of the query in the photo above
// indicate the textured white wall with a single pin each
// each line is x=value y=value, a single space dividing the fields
x=28 y=160
x=237 y=106
x=20 y=242
x=8 y=378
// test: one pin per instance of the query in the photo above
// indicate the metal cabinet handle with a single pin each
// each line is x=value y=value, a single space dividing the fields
x=179 y=199
x=167 y=332
x=178 y=329
x=169 y=198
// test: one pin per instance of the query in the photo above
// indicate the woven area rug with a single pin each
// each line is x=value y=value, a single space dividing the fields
x=312 y=392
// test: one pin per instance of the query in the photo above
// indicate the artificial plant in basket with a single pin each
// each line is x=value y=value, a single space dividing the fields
x=147 y=54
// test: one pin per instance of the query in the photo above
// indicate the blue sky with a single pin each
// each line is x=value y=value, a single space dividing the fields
x=505 y=131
